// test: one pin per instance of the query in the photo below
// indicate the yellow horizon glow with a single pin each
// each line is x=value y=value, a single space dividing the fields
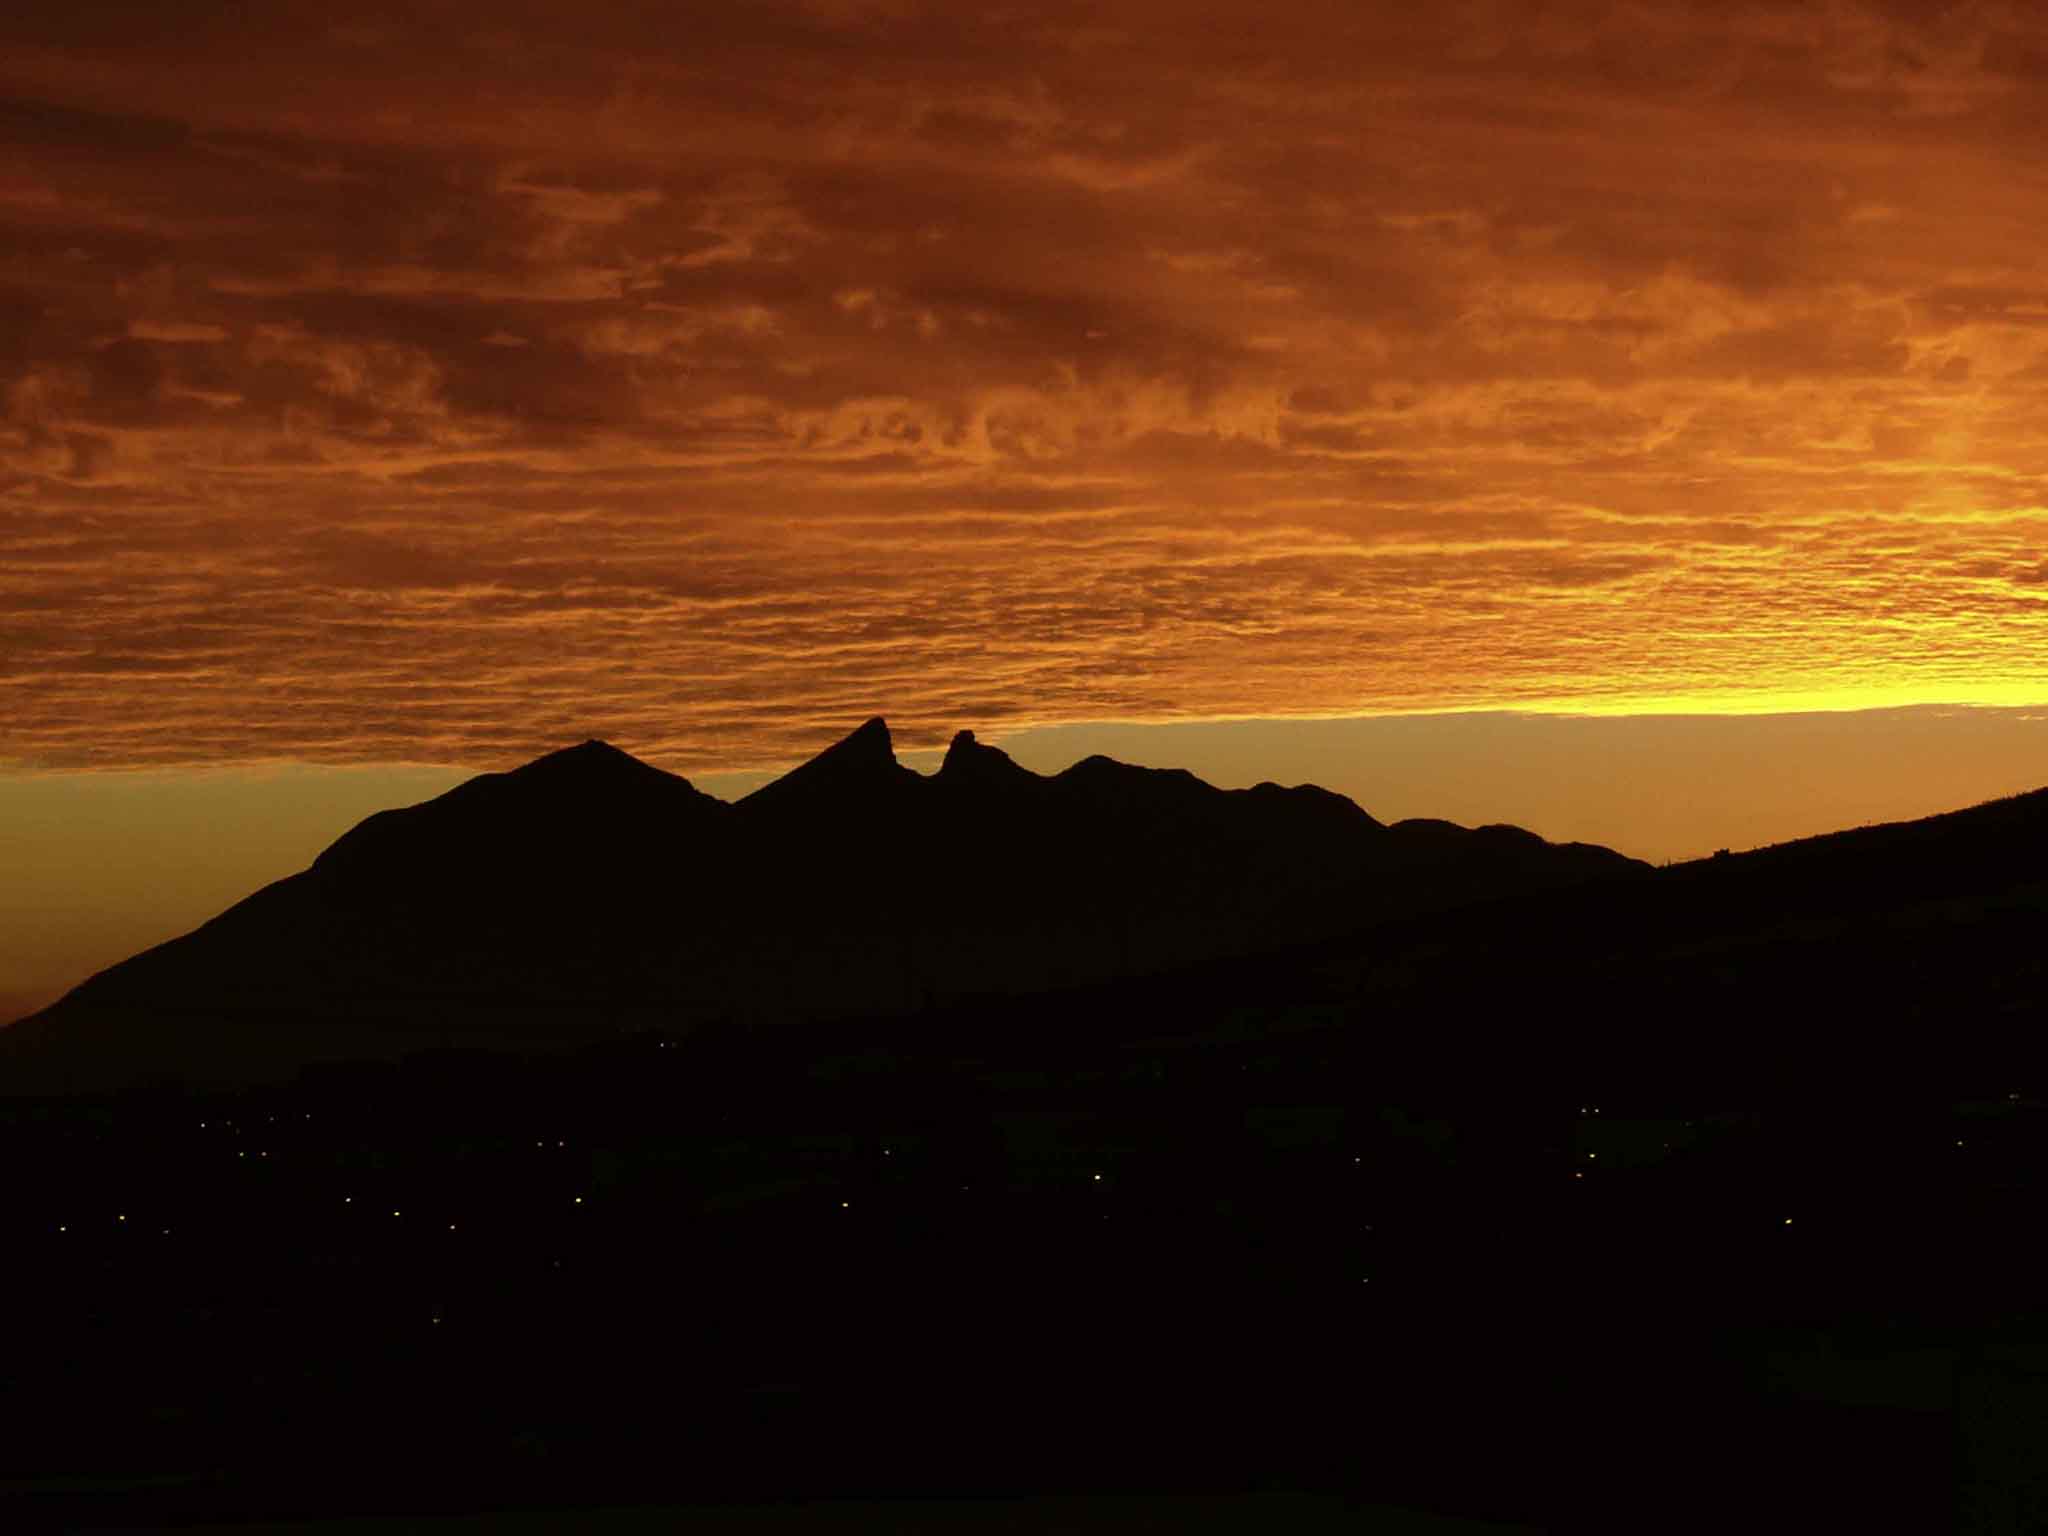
x=104 y=862
x=443 y=390
x=2018 y=695
x=704 y=385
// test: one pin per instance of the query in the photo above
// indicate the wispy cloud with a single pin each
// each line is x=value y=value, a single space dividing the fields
x=446 y=390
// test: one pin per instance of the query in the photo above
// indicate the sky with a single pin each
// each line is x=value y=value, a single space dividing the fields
x=391 y=395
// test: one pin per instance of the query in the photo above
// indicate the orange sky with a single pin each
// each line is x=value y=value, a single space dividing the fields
x=454 y=382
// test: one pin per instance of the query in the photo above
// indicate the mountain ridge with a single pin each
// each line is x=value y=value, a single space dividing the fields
x=589 y=883
x=586 y=895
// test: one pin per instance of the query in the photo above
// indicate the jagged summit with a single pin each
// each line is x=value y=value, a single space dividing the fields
x=587 y=893
x=869 y=742
x=857 y=763
x=868 y=746
x=972 y=762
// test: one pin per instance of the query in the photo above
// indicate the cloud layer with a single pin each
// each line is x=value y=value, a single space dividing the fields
x=461 y=380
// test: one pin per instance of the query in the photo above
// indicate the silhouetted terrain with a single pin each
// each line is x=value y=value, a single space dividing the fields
x=1696 y=1199
x=587 y=895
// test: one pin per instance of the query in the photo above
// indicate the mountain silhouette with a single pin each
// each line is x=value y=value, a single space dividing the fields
x=1096 y=1131
x=1857 y=961
x=588 y=894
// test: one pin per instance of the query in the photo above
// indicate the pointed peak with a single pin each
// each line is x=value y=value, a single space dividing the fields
x=586 y=756
x=874 y=733
x=963 y=750
x=969 y=761
x=864 y=757
x=868 y=745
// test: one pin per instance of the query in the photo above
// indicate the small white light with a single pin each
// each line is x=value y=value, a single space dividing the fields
x=845 y=1205
x=579 y=1199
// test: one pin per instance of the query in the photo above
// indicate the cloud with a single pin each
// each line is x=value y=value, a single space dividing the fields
x=440 y=390
x=176 y=331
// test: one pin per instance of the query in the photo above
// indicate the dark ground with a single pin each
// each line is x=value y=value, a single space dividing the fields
x=1043 y=1252
x=1702 y=1202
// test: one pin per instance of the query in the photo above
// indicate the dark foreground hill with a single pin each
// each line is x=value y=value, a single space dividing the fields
x=1910 y=953
x=588 y=895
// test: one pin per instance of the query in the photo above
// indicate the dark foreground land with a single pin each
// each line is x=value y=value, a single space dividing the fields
x=1107 y=1515
x=1171 y=1239
x=1702 y=1199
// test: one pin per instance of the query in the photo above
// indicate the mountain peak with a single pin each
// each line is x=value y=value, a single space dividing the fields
x=867 y=756
x=588 y=889
x=552 y=803
x=868 y=748
x=587 y=762
x=591 y=751
x=970 y=762
x=871 y=740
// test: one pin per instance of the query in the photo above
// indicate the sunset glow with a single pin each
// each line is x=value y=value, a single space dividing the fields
x=449 y=383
